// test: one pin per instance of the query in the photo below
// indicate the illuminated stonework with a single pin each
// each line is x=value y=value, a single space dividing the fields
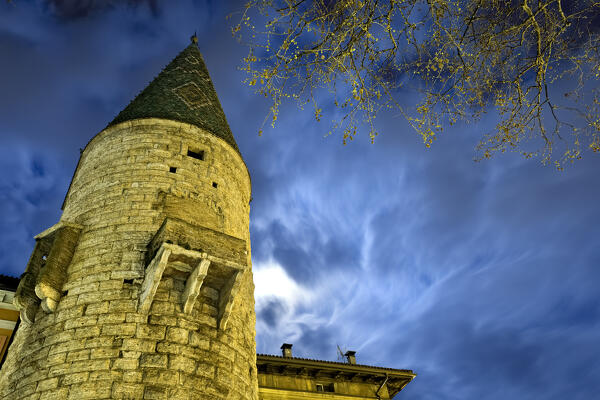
x=143 y=289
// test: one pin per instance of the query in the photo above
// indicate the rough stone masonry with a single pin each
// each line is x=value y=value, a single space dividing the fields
x=143 y=289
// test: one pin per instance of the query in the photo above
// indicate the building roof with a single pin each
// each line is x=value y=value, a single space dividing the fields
x=395 y=379
x=182 y=92
x=270 y=357
x=8 y=283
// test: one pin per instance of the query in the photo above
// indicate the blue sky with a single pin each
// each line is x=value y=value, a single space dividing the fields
x=481 y=277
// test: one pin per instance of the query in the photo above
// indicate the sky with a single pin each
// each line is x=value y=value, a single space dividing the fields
x=481 y=277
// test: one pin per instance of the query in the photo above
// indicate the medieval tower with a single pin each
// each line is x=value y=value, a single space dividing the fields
x=143 y=289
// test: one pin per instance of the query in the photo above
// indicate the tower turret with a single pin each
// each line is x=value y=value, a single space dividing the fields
x=143 y=289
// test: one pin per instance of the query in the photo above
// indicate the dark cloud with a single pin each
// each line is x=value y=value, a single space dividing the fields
x=315 y=340
x=271 y=312
x=77 y=9
x=30 y=187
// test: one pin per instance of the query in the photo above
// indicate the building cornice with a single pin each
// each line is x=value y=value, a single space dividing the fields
x=396 y=379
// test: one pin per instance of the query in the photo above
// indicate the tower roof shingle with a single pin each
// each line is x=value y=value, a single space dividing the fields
x=182 y=92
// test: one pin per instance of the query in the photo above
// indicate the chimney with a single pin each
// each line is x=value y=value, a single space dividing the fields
x=351 y=357
x=286 y=349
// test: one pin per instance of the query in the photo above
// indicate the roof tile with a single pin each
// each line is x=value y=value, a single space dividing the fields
x=182 y=92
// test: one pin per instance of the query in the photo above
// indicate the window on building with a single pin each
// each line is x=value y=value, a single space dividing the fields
x=197 y=154
x=325 y=387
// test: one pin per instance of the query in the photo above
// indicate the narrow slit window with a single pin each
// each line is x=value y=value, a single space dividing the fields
x=128 y=281
x=215 y=185
x=197 y=154
x=172 y=170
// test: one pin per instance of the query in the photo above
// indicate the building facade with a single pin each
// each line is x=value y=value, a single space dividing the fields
x=9 y=315
x=292 y=378
x=143 y=289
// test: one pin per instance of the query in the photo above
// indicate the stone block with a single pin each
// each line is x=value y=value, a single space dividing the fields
x=47 y=384
x=104 y=352
x=102 y=341
x=118 y=306
x=113 y=318
x=77 y=287
x=127 y=391
x=126 y=363
x=150 y=331
x=91 y=391
x=162 y=307
x=155 y=393
x=59 y=337
x=57 y=394
x=182 y=363
x=123 y=329
x=66 y=347
x=87 y=332
x=199 y=341
x=167 y=320
x=74 y=378
x=90 y=365
x=177 y=335
x=160 y=377
x=142 y=345
x=55 y=359
x=149 y=360
x=78 y=355
x=132 y=376
x=89 y=297
x=136 y=318
x=81 y=321
x=97 y=308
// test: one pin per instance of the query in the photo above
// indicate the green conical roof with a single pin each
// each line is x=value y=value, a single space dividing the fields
x=182 y=92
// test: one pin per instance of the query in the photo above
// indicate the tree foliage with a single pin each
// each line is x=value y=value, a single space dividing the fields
x=536 y=62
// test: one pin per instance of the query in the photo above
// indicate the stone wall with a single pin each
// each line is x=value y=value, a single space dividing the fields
x=95 y=344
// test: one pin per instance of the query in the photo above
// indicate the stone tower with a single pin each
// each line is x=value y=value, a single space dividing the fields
x=143 y=289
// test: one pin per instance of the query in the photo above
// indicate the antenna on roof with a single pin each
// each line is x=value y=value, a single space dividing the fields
x=341 y=355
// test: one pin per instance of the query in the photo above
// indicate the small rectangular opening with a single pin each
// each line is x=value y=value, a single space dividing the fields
x=128 y=281
x=325 y=387
x=197 y=154
x=172 y=170
x=215 y=185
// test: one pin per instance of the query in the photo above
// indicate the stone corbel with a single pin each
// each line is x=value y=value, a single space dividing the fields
x=25 y=299
x=46 y=270
x=196 y=264
x=193 y=285
x=152 y=279
x=227 y=297
x=52 y=276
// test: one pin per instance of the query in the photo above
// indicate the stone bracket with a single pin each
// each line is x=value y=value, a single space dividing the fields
x=154 y=273
x=197 y=265
x=46 y=270
x=193 y=285
x=227 y=297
